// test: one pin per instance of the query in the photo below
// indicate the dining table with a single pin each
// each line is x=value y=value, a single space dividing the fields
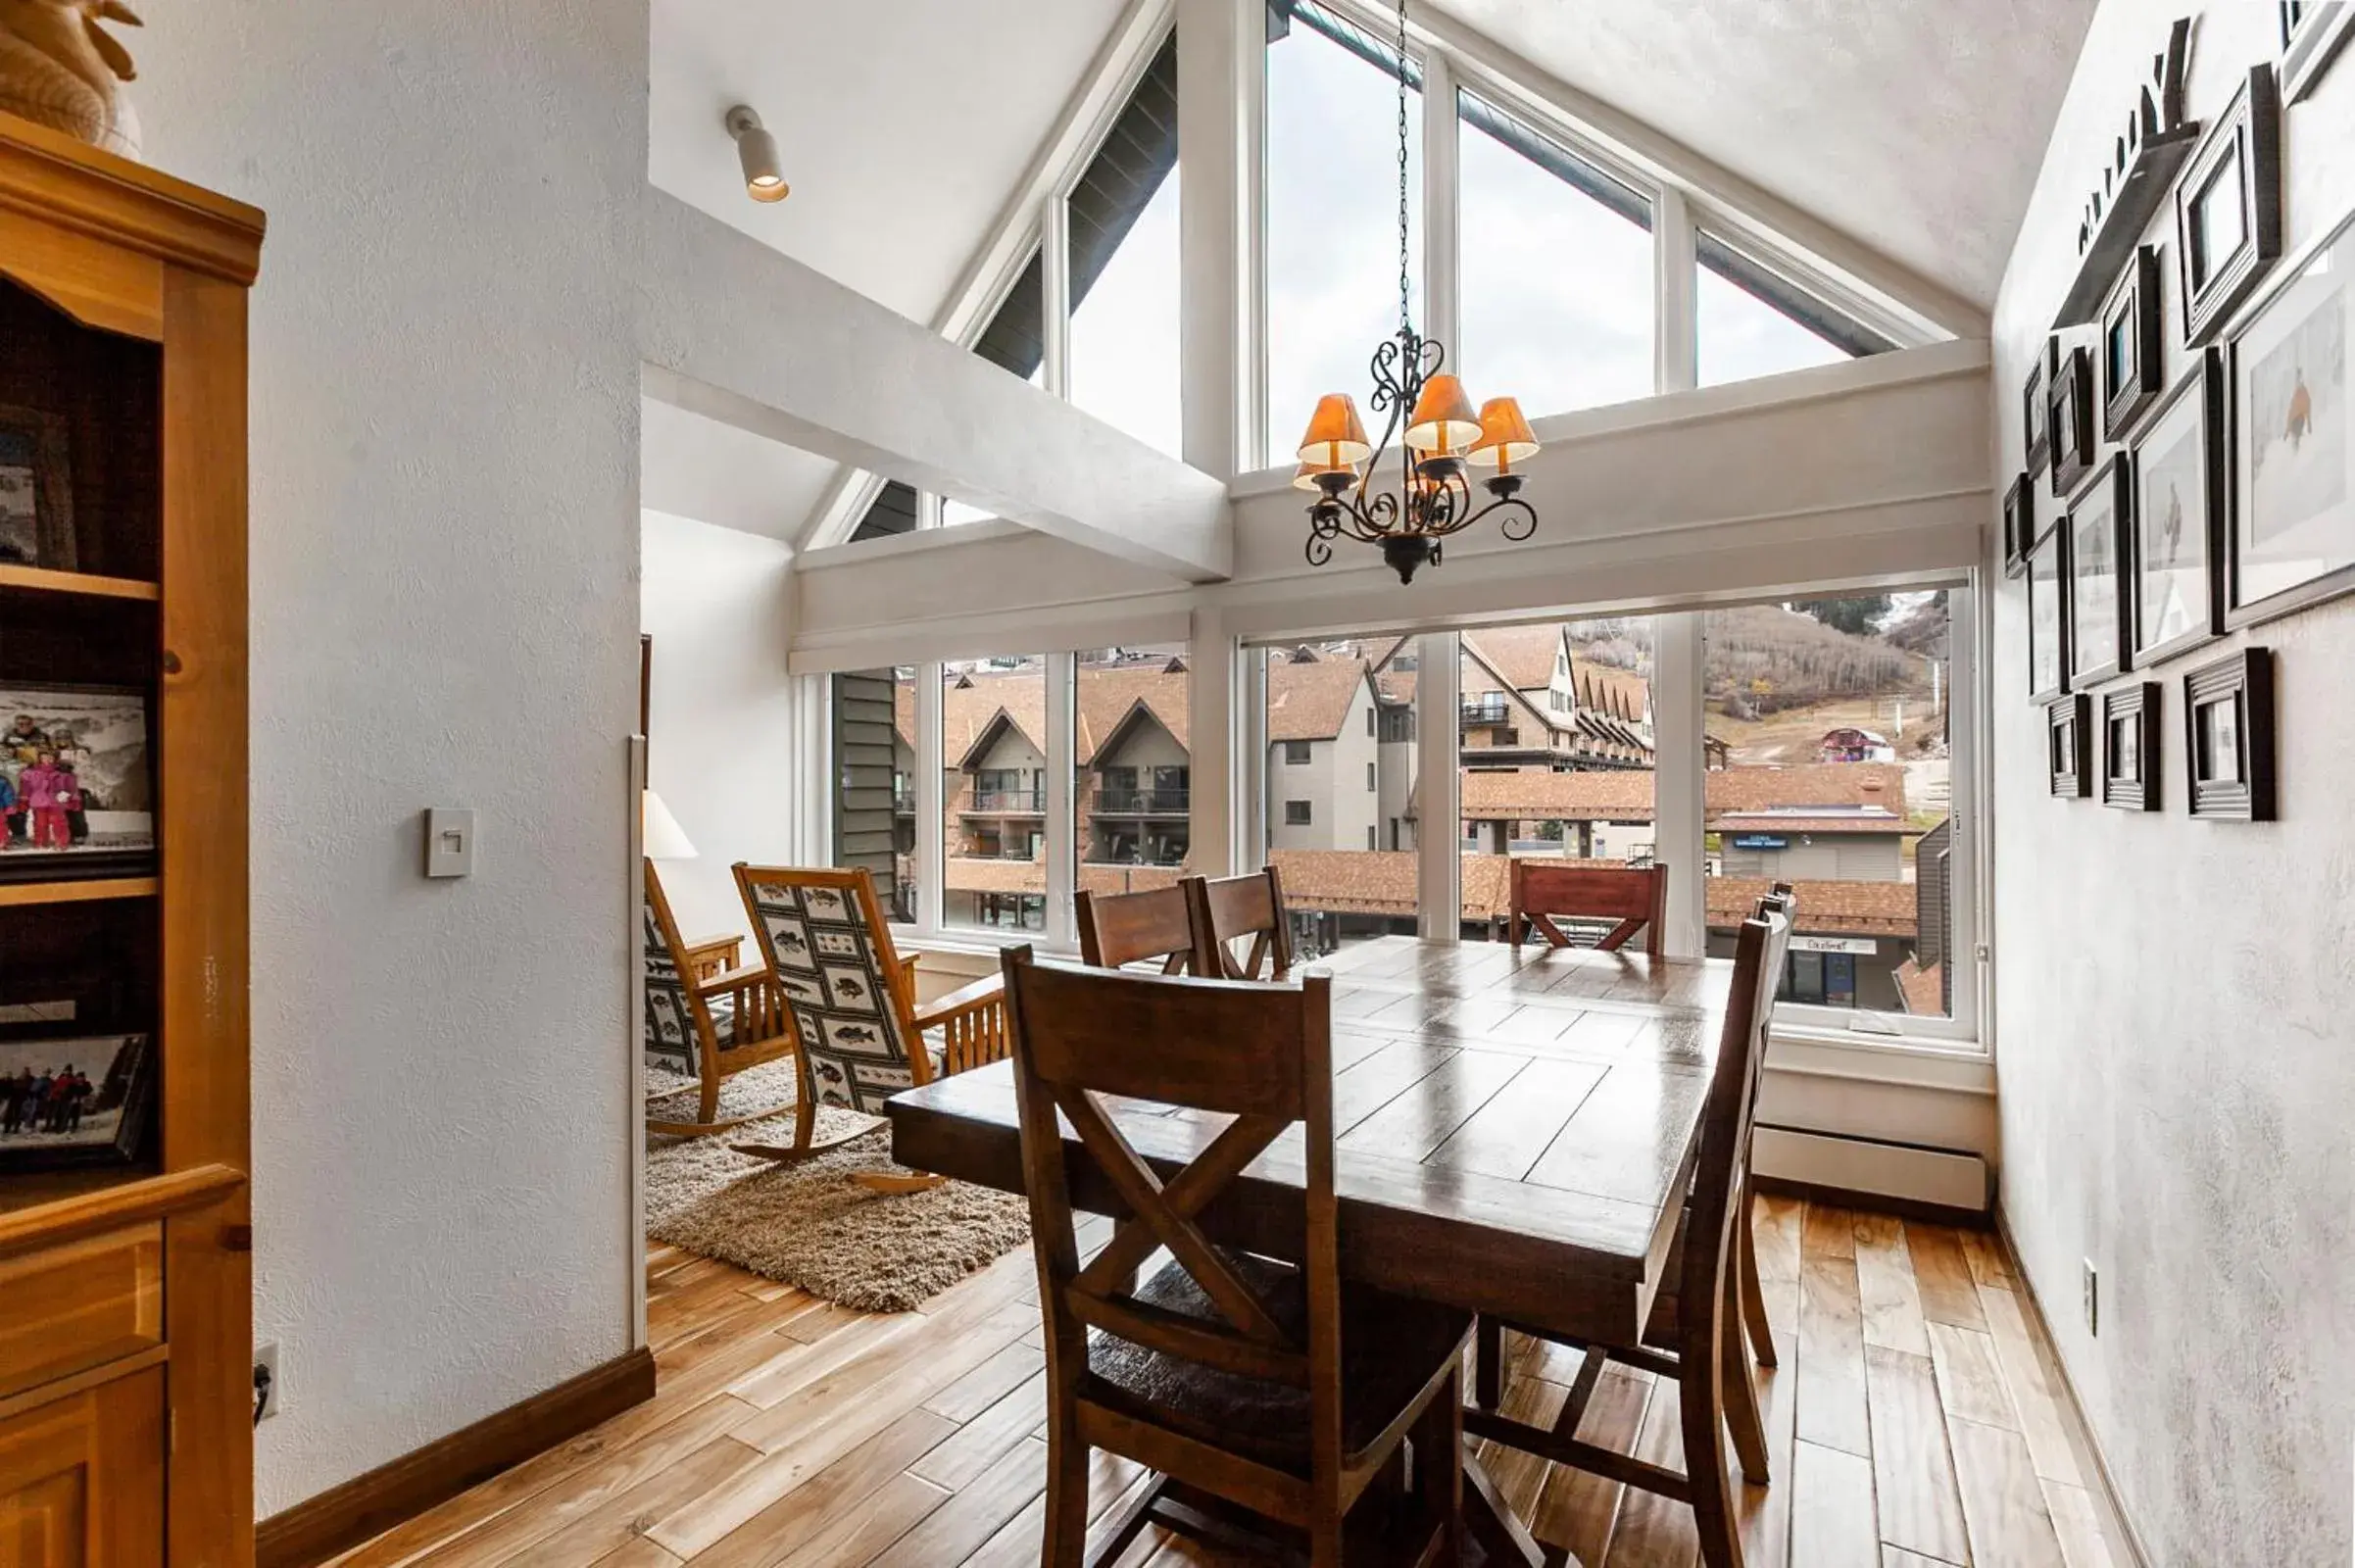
x=1516 y=1130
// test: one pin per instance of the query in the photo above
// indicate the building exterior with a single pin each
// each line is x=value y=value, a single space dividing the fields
x=1324 y=755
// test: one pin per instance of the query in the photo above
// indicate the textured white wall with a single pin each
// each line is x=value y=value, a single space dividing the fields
x=444 y=487
x=720 y=751
x=2174 y=999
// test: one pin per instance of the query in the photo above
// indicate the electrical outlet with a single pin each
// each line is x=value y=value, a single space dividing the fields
x=2092 y=1299
x=270 y=1383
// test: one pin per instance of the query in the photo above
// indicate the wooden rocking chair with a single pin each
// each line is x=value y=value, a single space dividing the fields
x=863 y=1038
x=705 y=1018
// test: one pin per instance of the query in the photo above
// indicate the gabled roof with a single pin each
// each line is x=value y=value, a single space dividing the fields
x=1311 y=701
x=1113 y=696
x=1521 y=657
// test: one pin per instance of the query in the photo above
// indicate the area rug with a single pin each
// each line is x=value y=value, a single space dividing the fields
x=810 y=1224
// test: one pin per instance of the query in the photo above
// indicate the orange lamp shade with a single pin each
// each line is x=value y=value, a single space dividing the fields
x=1306 y=476
x=1505 y=441
x=1335 y=438
x=1443 y=420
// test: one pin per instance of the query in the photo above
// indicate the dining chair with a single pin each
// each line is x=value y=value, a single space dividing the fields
x=1244 y=1382
x=1693 y=1335
x=862 y=1037
x=1231 y=908
x=1635 y=897
x=704 y=1018
x=1118 y=929
x=1779 y=898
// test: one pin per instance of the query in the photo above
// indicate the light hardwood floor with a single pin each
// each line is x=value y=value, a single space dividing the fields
x=1913 y=1422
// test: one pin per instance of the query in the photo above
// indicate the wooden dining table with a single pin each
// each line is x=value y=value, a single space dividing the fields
x=1516 y=1129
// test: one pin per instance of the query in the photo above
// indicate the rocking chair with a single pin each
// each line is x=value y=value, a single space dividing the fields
x=704 y=1018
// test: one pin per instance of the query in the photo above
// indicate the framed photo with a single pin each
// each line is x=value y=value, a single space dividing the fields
x=77 y=786
x=2313 y=31
x=2227 y=206
x=2049 y=612
x=2293 y=443
x=66 y=1102
x=36 y=491
x=2175 y=564
x=2072 y=420
x=2019 y=525
x=2036 y=413
x=2132 y=361
x=2066 y=721
x=2130 y=747
x=2098 y=527
x=2229 y=737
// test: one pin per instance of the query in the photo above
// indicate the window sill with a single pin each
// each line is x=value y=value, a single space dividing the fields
x=1955 y=1066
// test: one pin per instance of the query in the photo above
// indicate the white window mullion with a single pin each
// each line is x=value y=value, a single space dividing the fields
x=1676 y=335
x=931 y=844
x=1439 y=827
x=1054 y=278
x=1443 y=315
x=1062 y=849
x=1679 y=803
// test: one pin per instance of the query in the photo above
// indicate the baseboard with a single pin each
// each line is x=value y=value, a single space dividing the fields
x=342 y=1517
x=1940 y=1183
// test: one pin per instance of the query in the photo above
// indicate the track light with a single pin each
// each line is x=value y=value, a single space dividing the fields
x=757 y=150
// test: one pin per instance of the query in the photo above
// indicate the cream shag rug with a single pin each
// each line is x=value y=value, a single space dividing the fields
x=810 y=1224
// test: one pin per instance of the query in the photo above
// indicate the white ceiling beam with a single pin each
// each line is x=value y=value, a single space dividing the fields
x=736 y=331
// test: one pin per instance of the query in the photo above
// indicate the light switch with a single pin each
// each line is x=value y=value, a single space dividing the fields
x=448 y=841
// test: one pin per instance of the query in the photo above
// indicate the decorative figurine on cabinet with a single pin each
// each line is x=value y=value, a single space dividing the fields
x=60 y=68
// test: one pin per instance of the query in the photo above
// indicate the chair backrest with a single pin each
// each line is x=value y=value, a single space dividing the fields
x=826 y=941
x=1728 y=1112
x=1118 y=929
x=1261 y=1053
x=1237 y=906
x=1637 y=897
x=678 y=1023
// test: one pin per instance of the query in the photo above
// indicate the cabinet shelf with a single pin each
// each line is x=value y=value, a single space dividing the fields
x=89 y=892
x=39 y=580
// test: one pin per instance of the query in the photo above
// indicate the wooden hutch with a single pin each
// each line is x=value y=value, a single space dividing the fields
x=125 y=1289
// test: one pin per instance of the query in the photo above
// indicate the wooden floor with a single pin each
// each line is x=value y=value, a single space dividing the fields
x=1912 y=1423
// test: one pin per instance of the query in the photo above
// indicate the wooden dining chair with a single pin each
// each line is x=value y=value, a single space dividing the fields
x=704 y=1019
x=863 y=1038
x=1246 y=1383
x=1118 y=929
x=1779 y=900
x=1693 y=1337
x=1231 y=908
x=1635 y=897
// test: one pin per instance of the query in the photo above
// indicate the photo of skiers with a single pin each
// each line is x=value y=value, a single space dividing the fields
x=74 y=774
x=70 y=1101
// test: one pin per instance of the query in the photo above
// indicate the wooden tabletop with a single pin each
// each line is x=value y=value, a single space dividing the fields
x=1516 y=1129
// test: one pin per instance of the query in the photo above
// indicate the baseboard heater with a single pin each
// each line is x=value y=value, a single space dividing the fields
x=1942 y=1176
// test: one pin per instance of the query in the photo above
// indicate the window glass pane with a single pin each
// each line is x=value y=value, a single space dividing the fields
x=1320 y=813
x=1132 y=786
x=1557 y=751
x=1753 y=323
x=1829 y=754
x=994 y=792
x=1124 y=267
x=1556 y=272
x=1332 y=216
x=874 y=781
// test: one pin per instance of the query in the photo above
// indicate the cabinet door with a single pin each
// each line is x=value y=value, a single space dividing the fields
x=82 y=1479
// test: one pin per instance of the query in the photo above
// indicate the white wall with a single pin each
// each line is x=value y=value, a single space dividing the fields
x=720 y=749
x=2174 y=1001
x=444 y=528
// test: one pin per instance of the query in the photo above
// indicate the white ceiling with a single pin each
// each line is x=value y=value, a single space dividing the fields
x=1915 y=127
x=716 y=473
x=905 y=125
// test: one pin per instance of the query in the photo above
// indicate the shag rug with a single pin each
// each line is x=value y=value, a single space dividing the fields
x=810 y=1224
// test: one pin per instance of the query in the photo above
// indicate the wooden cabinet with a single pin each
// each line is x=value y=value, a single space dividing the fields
x=125 y=1312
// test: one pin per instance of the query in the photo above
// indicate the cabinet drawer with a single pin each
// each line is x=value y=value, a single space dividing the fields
x=77 y=1305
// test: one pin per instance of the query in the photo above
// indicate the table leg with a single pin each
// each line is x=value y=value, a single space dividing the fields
x=1502 y=1540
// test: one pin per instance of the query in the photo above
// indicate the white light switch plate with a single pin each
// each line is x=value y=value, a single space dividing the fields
x=448 y=841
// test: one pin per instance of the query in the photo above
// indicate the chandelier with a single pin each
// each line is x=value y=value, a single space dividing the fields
x=1442 y=441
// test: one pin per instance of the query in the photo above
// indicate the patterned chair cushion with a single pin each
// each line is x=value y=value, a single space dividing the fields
x=670 y=1021
x=833 y=979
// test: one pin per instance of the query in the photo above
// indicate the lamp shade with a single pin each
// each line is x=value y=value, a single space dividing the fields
x=1443 y=420
x=1335 y=438
x=666 y=840
x=1505 y=441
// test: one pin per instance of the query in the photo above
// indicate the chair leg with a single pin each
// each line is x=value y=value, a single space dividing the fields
x=1438 y=1466
x=1753 y=1294
x=1066 y=1542
x=709 y=1102
x=894 y=1182
x=1741 y=1398
x=1702 y=1407
x=1488 y=1366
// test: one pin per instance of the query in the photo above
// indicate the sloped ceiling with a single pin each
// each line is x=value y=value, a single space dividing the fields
x=695 y=468
x=1915 y=127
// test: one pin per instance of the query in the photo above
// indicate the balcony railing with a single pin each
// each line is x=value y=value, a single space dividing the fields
x=1142 y=802
x=1487 y=710
x=1010 y=803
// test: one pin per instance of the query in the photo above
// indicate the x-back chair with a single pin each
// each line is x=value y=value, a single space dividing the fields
x=1118 y=929
x=1231 y=908
x=1635 y=897
x=704 y=1019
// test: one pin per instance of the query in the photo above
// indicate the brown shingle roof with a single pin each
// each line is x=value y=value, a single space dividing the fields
x=1521 y=656
x=1107 y=696
x=1922 y=990
x=1536 y=796
x=1826 y=909
x=1311 y=701
x=1780 y=823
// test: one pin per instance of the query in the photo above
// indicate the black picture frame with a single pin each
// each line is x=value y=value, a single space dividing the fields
x=2131 y=774
x=124 y=717
x=36 y=490
x=2036 y=411
x=2019 y=525
x=2071 y=419
x=2237 y=168
x=2067 y=721
x=2047 y=572
x=2132 y=350
x=2313 y=33
x=2176 y=601
x=125 y=1088
x=2101 y=524
x=2228 y=738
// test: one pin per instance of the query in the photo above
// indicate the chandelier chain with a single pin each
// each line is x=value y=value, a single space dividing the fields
x=1405 y=313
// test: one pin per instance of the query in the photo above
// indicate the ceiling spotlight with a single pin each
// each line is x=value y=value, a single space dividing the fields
x=757 y=150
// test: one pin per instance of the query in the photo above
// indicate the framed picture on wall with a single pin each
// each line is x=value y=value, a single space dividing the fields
x=2069 y=768
x=2019 y=525
x=77 y=787
x=2036 y=413
x=2132 y=352
x=2097 y=544
x=2229 y=737
x=2227 y=206
x=36 y=491
x=2049 y=612
x=2313 y=31
x=2175 y=565
x=2072 y=420
x=2130 y=747
x=2294 y=442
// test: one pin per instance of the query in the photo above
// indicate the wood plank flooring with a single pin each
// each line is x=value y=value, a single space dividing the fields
x=1913 y=1423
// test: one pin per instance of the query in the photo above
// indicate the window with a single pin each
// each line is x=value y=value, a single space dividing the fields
x=1372 y=837
x=1370 y=785
x=1831 y=750
x=1371 y=718
x=1296 y=813
x=1124 y=267
x=994 y=794
x=1331 y=200
x=1752 y=323
x=1132 y=791
x=1296 y=754
x=1555 y=272
x=1347 y=855
x=874 y=721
